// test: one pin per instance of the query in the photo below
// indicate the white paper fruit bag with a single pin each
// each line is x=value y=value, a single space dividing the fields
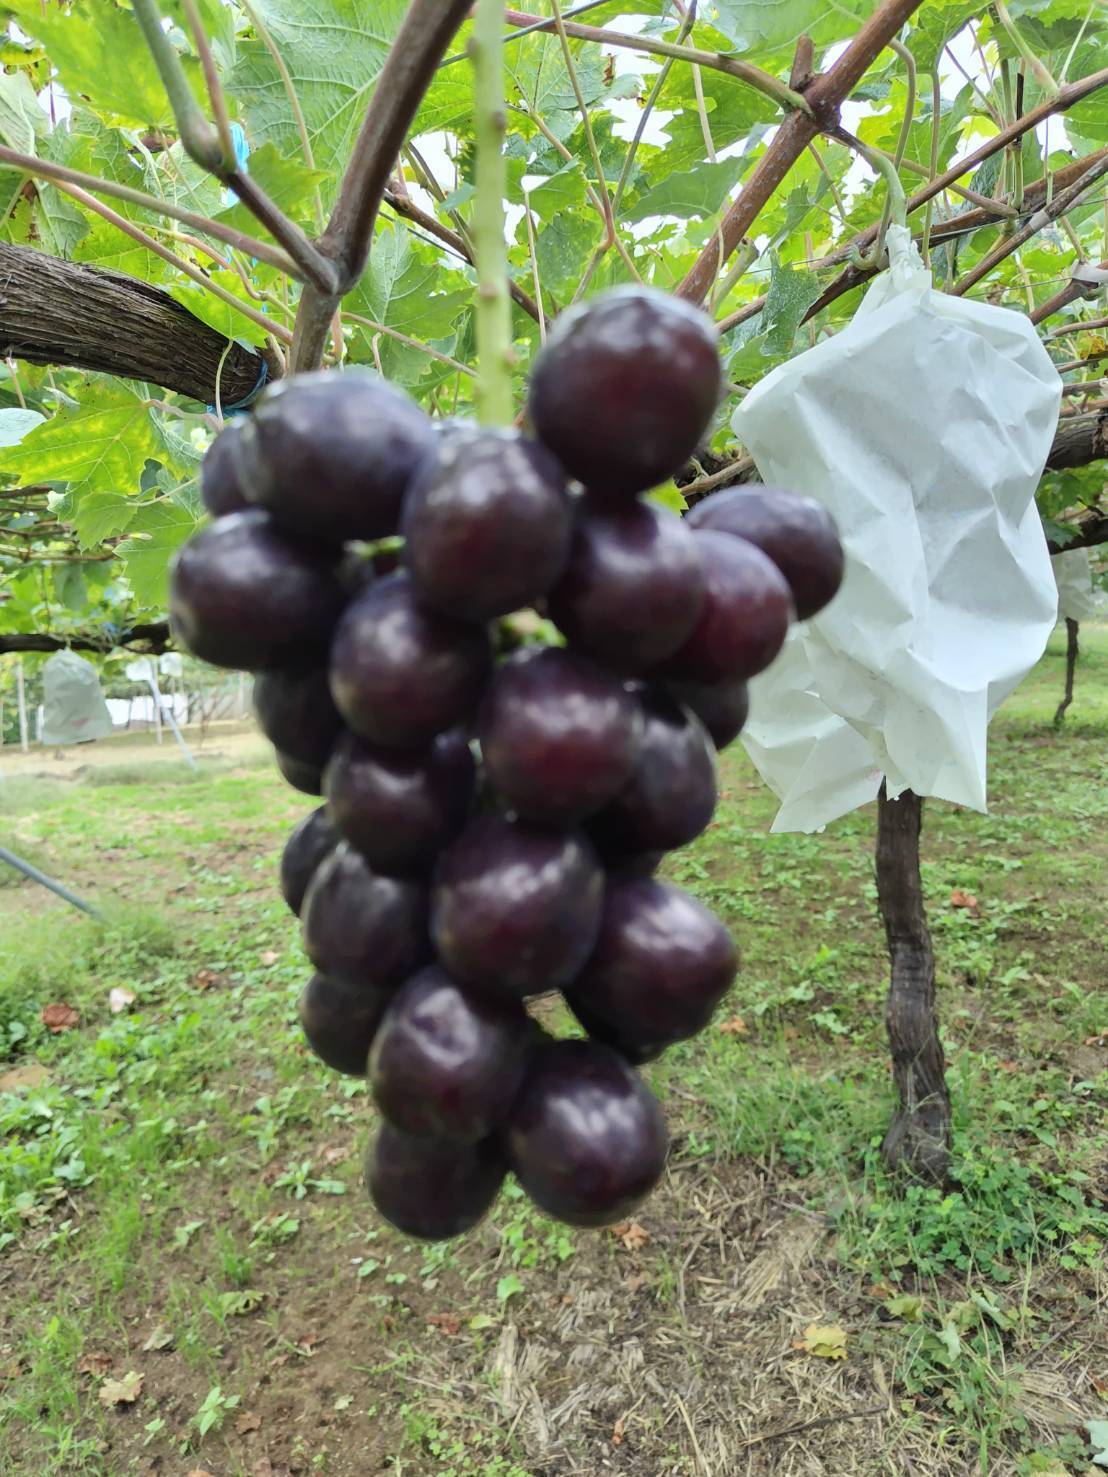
x=1076 y=597
x=923 y=427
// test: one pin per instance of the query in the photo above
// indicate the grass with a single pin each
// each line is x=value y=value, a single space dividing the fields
x=179 y=1188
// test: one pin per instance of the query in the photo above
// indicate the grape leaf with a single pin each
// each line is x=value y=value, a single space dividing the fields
x=215 y=312
x=335 y=49
x=22 y=121
x=103 y=442
x=694 y=192
x=757 y=26
x=287 y=182
x=157 y=531
x=791 y=293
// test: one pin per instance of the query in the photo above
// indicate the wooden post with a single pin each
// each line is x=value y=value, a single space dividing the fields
x=919 y=1137
x=21 y=701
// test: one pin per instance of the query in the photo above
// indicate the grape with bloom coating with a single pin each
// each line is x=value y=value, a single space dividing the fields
x=661 y=965
x=515 y=908
x=339 y=1022
x=432 y=1189
x=633 y=588
x=745 y=617
x=402 y=674
x=310 y=841
x=330 y=454
x=625 y=387
x=296 y=714
x=722 y=707
x=446 y=1061
x=558 y=735
x=587 y=1139
x=307 y=778
x=796 y=532
x=243 y=595
x=220 y=489
x=361 y=928
x=400 y=807
x=486 y=523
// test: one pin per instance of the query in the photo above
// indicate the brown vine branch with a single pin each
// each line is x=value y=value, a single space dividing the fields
x=825 y=94
x=417 y=49
x=152 y=638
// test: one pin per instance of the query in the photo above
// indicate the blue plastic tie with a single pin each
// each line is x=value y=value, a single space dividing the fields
x=248 y=399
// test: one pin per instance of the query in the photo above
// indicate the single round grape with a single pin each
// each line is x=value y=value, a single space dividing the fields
x=745 y=618
x=242 y=595
x=297 y=715
x=401 y=674
x=307 y=778
x=486 y=523
x=220 y=489
x=625 y=388
x=515 y=909
x=722 y=707
x=447 y=1062
x=672 y=791
x=398 y=807
x=633 y=588
x=330 y=454
x=661 y=965
x=796 y=532
x=558 y=735
x=340 y=1022
x=311 y=840
x=586 y=1139
x=432 y=1189
x=365 y=930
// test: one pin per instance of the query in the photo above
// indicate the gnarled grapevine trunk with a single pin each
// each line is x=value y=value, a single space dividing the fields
x=1072 y=653
x=919 y=1137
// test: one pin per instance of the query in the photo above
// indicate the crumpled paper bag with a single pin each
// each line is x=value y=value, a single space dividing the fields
x=1076 y=597
x=923 y=427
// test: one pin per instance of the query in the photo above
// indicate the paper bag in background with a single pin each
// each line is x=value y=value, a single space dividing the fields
x=1077 y=600
x=74 y=710
x=923 y=427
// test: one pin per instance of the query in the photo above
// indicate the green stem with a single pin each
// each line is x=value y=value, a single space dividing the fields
x=494 y=311
x=199 y=138
x=1019 y=41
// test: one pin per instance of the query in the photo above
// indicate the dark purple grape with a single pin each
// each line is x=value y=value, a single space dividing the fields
x=397 y=807
x=220 y=489
x=586 y=1139
x=558 y=735
x=297 y=715
x=432 y=1188
x=330 y=454
x=722 y=707
x=633 y=588
x=340 y=1022
x=364 y=929
x=625 y=388
x=401 y=674
x=796 y=532
x=243 y=595
x=515 y=909
x=661 y=965
x=745 y=618
x=672 y=791
x=307 y=778
x=312 y=839
x=486 y=524
x=447 y=1062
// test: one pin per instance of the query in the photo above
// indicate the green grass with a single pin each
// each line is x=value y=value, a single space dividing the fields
x=177 y=1156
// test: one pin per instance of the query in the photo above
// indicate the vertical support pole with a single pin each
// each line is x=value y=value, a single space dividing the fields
x=21 y=701
x=170 y=719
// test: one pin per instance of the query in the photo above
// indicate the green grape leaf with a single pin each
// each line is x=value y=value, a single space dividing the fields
x=402 y=287
x=935 y=24
x=22 y=121
x=562 y=247
x=694 y=192
x=100 y=55
x=791 y=293
x=100 y=515
x=756 y=26
x=156 y=532
x=288 y=183
x=101 y=443
x=335 y=49
x=215 y=312
x=559 y=192
x=69 y=586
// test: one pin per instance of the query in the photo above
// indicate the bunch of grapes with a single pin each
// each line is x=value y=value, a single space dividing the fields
x=494 y=817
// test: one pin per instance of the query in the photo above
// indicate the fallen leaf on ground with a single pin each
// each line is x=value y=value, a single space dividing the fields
x=119 y=999
x=1101 y=1039
x=634 y=1283
x=631 y=1234
x=160 y=1339
x=1100 y=1386
x=448 y=1322
x=309 y=1343
x=122 y=1392
x=268 y=956
x=32 y=1075
x=248 y=1421
x=236 y=1304
x=617 y=1433
x=824 y=1340
x=199 y=1472
x=10 y=1369
x=960 y=899
x=335 y=1153
x=58 y=1018
x=736 y=1026
x=342 y=1402
x=94 y=1363
x=204 y=979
